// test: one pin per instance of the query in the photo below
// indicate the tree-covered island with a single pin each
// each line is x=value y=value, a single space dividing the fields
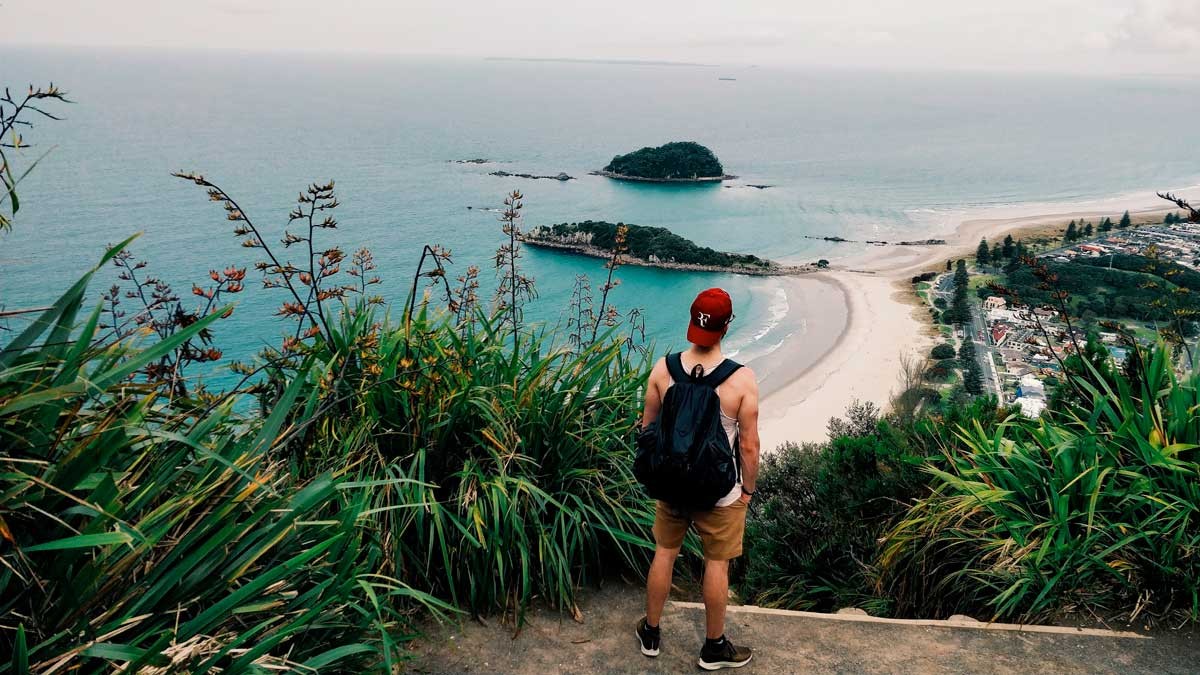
x=651 y=247
x=677 y=162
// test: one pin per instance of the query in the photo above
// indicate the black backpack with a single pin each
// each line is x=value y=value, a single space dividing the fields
x=684 y=457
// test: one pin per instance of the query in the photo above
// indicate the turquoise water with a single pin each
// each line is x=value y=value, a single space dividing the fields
x=857 y=154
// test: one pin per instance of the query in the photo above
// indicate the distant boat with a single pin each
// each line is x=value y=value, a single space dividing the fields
x=729 y=79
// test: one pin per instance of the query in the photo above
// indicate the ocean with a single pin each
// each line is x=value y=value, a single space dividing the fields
x=857 y=154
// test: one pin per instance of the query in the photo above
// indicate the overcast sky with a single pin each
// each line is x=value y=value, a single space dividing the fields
x=1096 y=36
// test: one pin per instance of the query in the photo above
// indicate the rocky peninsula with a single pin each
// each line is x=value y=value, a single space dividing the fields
x=653 y=247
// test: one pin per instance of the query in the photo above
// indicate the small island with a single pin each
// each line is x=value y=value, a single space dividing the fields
x=653 y=247
x=677 y=162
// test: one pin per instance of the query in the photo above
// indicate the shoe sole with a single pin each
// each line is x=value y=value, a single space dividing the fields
x=718 y=665
x=645 y=651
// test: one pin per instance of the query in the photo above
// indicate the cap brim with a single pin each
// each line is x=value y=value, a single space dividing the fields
x=703 y=336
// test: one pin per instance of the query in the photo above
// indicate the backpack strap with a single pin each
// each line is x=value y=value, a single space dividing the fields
x=675 y=367
x=721 y=373
x=713 y=379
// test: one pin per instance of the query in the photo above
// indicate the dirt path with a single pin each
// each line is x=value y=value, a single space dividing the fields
x=787 y=643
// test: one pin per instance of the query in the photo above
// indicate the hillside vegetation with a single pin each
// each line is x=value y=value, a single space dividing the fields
x=1130 y=290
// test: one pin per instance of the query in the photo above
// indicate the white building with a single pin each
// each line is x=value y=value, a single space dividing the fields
x=1031 y=407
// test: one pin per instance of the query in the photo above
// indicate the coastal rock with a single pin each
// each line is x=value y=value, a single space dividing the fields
x=477 y=160
x=561 y=176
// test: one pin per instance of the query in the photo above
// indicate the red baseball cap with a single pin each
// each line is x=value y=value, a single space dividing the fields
x=712 y=311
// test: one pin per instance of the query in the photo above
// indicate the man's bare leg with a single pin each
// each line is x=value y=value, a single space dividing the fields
x=716 y=596
x=658 y=583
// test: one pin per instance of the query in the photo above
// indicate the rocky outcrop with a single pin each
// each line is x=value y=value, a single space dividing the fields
x=559 y=176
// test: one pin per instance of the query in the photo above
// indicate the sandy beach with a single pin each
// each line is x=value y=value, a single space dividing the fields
x=867 y=302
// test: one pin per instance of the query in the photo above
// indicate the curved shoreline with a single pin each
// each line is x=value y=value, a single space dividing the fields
x=858 y=366
x=883 y=322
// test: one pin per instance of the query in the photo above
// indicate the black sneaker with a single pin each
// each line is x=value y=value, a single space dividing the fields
x=715 y=656
x=648 y=638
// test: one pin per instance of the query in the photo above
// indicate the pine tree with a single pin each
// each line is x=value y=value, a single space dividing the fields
x=1125 y=221
x=972 y=376
x=983 y=255
x=997 y=254
x=1087 y=231
x=1007 y=252
x=949 y=263
x=973 y=379
x=966 y=351
x=1072 y=233
x=1105 y=225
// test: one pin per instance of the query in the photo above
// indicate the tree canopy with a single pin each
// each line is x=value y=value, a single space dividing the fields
x=677 y=160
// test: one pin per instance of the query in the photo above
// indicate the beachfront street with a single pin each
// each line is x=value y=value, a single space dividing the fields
x=977 y=332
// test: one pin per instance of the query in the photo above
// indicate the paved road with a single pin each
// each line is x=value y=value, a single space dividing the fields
x=984 y=349
x=976 y=331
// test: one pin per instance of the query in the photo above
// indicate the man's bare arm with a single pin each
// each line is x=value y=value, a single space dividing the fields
x=653 y=395
x=748 y=431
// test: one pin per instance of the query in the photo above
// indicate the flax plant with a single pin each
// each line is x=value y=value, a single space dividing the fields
x=1095 y=511
x=137 y=537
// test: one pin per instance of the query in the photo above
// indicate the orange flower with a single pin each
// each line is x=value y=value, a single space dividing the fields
x=290 y=309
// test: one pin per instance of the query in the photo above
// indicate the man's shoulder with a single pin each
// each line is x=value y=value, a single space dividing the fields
x=744 y=377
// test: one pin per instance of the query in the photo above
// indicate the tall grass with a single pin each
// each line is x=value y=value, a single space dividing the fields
x=141 y=536
x=156 y=533
x=517 y=450
x=1095 y=511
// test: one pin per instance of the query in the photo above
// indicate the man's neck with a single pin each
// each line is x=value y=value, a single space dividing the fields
x=704 y=354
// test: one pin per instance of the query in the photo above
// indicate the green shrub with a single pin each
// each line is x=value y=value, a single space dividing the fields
x=942 y=351
x=812 y=539
x=1094 y=510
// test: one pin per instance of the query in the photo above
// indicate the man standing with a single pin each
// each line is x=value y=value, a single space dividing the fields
x=721 y=527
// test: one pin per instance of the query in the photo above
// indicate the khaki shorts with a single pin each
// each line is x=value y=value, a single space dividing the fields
x=720 y=529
